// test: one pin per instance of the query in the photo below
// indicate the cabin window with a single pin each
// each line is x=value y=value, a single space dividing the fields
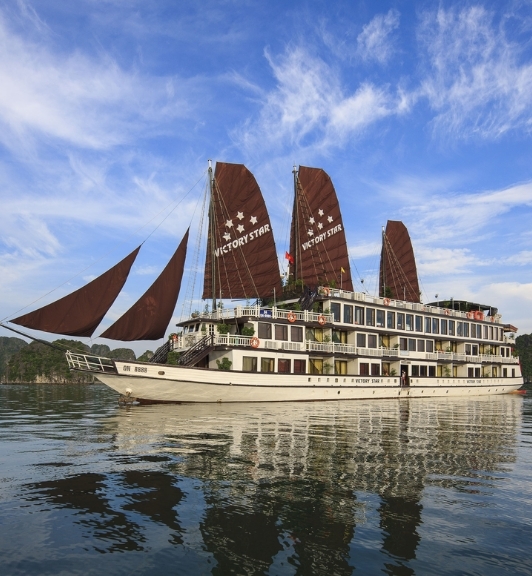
x=474 y=350
x=340 y=367
x=364 y=369
x=390 y=320
x=335 y=311
x=372 y=341
x=432 y=371
x=265 y=330
x=491 y=332
x=423 y=371
x=375 y=369
x=283 y=366
x=384 y=341
x=495 y=372
x=477 y=372
x=281 y=332
x=359 y=315
x=386 y=369
x=505 y=372
x=310 y=334
x=380 y=318
x=370 y=317
x=419 y=323
x=300 y=366
x=403 y=344
x=348 y=314
x=459 y=328
x=296 y=333
x=415 y=370
x=249 y=364
x=339 y=337
x=428 y=323
x=409 y=322
x=485 y=333
x=318 y=334
x=267 y=364
x=361 y=340
x=470 y=372
x=443 y=327
x=466 y=329
x=412 y=344
x=513 y=372
x=479 y=331
x=435 y=326
x=451 y=327
x=468 y=349
x=421 y=345
x=400 y=321
x=316 y=366
x=429 y=345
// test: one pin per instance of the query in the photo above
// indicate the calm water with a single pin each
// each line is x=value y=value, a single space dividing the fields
x=383 y=487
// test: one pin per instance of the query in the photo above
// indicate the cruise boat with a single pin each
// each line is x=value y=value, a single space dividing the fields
x=309 y=337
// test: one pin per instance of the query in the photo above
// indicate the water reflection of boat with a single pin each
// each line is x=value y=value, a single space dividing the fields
x=288 y=482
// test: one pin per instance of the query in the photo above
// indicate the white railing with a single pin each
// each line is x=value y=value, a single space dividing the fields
x=90 y=363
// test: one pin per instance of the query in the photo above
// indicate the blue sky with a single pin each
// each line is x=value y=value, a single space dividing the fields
x=419 y=111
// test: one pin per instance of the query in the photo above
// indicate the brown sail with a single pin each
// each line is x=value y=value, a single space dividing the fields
x=398 y=272
x=149 y=317
x=79 y=313
x=240 y=242
x=317 y=237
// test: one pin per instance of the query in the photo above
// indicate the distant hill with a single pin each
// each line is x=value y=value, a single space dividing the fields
x=523 y=347
x=8 y=347
x=39 y=363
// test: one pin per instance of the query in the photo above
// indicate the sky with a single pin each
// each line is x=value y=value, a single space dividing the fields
x=419 y=111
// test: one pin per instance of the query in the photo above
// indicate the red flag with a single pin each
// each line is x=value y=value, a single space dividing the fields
x=289 y=257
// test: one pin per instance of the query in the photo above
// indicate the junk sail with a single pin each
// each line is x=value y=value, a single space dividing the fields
x=150 y=316
x=317 y=238
x=241 y=256
x=398 y=273
x=79 y=313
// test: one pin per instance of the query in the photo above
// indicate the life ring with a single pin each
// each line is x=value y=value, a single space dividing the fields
x=446 y=311
x=470 y=315
x=479 y=315
x=321 y=319
x=254 y=342
x=291 y=317
x=386 y=301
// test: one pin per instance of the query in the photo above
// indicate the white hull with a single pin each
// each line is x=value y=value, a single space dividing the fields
x=164 y=383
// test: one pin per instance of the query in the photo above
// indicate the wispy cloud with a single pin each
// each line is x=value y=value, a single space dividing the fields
x=477 y=81
x=375 y=41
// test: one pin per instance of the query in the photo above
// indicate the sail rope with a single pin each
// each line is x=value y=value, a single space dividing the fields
x=111 y=250
x=400 y=275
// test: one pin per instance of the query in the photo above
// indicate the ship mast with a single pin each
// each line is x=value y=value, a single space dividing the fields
x=383 y=263
x=295 y=219
x=212 y=234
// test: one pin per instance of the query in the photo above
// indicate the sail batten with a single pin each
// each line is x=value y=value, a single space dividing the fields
x=80 y=313
x=150 y=316
x=317 y=236
x=241 y=255
x=398 y=272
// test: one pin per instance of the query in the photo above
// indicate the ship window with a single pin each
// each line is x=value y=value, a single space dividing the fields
x=412 y=344
x=421 y=345
x=491 y=332
x=283 y=366
x=310 y=334
x=423 y=371
x=466 y=329
x=415 y=370
x=375 y=369
x=359 y=315
x=364 y=369
x=429 y=345
x=432 y=371
x=380 y=318
x=267 y=364
x=477 y=372
x=435 y=326
x=459 y=328
x=474 y=350
x=443 y=327
x=300 y=366
x=409 y=322
x=340 y=367
x=400 y=321
x=419 y=323
x=427 y=325
x=370 y=317
x=385 y=368
x=339 y=337
x=265 y=330
x=495 y=373
x=348 y=314
x=451 y=327
x=468 y=349
x=318 y=334
x=390 y=319
x=513 y=372
x=361 y=340
x=296 y=333
x=335 y=311
x=505 y=372
x=470 y=372
x=372 y=341
x=281 y=332
x=316 y=366
x=403 y=343
x=479 y=331
x=485 y=332
x=249 y=364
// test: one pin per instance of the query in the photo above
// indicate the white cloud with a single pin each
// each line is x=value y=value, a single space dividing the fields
x=477 y=80
x=362 y=250
x=374 y=42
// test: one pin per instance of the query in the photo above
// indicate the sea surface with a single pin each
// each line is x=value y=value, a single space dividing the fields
x=402 y=487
